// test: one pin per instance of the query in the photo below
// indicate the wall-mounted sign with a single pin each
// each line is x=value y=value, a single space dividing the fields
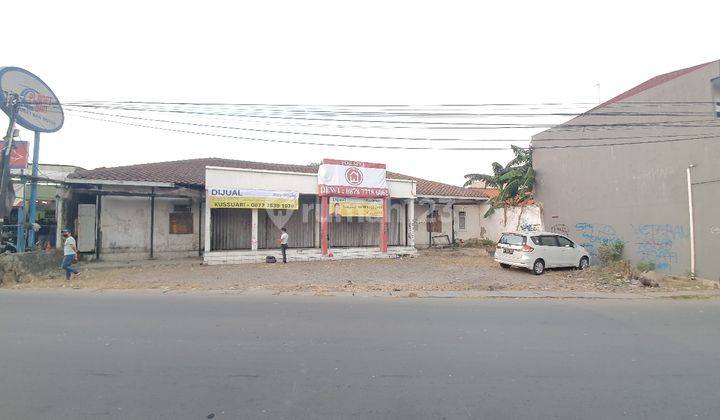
x=352 y=179
x=233 y=198
x=38 y=107
x=356 y=207
x=18 y=154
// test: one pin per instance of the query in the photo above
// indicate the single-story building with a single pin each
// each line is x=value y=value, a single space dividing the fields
x=231 y=210
x=49 y=192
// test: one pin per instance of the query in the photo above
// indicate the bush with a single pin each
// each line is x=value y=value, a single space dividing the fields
x=611 y=253
x=487 y=242
x=645 y=266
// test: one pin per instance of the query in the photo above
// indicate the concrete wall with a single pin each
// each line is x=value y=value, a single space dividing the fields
x=422 y=236
x=638 y=193
x=517 y=218
x=125 y=227
x=474 y=228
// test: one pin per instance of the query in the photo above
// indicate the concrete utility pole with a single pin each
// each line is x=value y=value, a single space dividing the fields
x=692 y=221
x=33 y=192
x=13 y=101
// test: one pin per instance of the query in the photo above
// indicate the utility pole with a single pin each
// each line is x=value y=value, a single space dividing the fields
x=13 y=102
x=33 y=192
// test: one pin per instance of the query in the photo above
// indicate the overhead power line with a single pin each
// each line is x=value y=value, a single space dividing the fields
x=468 y=105
x=409 y=111
x=443 y=124
x=306 y=143
x=366 y=146
x=368 y=137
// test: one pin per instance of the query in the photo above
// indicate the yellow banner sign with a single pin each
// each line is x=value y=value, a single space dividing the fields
x=356 y=207
x=223 y=198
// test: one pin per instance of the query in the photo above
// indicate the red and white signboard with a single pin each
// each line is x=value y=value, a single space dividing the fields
x=18 y=154
x=345 y=178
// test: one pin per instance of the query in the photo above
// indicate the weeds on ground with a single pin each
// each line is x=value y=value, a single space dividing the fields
x=617 y=273
x=645 y=266
x=611 y=253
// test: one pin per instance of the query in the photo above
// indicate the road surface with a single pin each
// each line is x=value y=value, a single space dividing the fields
x=122 y=355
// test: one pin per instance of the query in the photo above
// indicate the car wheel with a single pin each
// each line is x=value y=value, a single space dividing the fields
x=584 y=263
x=503 y=265
x=538 y=267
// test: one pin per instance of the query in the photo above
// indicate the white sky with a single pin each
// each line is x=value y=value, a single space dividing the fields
x=338 y=52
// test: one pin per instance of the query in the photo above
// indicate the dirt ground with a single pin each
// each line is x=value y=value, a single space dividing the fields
x=433 y=270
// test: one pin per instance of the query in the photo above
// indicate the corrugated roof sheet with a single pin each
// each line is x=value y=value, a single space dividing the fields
x=192 y=172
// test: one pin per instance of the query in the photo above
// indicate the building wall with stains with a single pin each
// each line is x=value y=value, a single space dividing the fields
x=125 y=229
x=476 y=225
x=637 y=193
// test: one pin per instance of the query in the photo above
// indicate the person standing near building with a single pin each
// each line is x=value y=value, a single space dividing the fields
x=284 y=243
x=70 y=252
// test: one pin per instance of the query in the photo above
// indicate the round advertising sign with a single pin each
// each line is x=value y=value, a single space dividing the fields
x=38 y=108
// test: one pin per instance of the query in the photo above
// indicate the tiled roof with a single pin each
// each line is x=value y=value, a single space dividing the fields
x=651 y=83
x=192 y=172
x=487 y=192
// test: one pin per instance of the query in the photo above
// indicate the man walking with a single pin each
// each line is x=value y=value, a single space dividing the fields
x=70 y=254
x=284 y=243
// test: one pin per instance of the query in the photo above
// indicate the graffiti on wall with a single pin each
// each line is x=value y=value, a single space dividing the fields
x=530 y=227
x=560 y=229
x=655 y=243
x=594 y=235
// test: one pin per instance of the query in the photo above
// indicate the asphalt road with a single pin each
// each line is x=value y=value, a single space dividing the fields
x=82 y=355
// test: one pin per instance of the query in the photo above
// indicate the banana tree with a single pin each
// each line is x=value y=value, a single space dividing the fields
x=514 y=182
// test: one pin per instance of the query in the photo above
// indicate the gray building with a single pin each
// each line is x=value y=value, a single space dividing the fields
x=619 y=172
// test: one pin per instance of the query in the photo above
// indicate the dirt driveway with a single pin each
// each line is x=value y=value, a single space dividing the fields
x=434 y=270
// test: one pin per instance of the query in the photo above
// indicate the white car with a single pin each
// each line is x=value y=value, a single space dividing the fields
x=537 y=251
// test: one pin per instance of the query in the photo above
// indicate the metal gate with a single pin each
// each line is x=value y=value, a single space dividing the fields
x=231 y=229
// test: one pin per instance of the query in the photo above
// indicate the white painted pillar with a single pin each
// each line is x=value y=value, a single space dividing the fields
x=316 y=223
x=254 y=236
x=207 y=226
x=60 y=221
x=411 y=221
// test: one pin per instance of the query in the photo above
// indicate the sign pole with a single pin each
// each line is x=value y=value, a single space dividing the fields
x=33 y=192
x=324 y=224
x=20 y=235
x=383 y=227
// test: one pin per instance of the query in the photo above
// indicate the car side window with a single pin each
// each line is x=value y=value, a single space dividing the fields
x=548 y=240
x=565 y=242
x=535 y=239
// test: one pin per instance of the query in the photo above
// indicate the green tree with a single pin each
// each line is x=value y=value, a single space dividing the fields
x=514 y=181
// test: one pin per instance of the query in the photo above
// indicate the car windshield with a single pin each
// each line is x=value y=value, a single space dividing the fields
x=512 y=239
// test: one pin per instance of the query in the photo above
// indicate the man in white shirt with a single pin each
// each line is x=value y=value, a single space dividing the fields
x=70 y=254
x=283 y=243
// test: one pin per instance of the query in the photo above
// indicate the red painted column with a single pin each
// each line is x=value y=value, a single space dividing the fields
x=384 y=226
x=324 y=224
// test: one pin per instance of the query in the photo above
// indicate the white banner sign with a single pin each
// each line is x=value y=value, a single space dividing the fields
x=252 y=199
x=352 y=179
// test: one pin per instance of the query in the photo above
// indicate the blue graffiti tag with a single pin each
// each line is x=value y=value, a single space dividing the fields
x=594 y=235
x=655 y=243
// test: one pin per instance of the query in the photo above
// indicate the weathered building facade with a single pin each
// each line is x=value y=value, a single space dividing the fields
x=161 y=210
x=619 y=172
